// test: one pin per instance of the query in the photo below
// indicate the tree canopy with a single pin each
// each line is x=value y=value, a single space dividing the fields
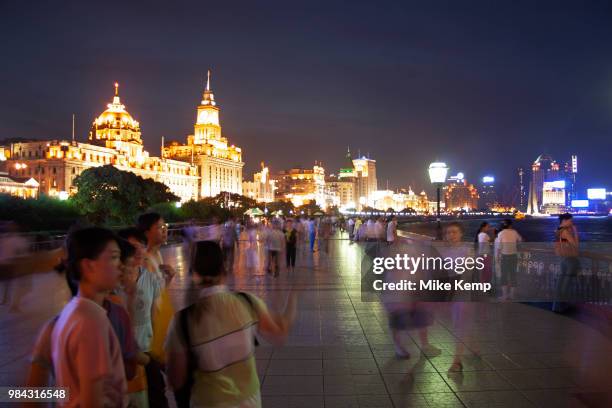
x=107 y=195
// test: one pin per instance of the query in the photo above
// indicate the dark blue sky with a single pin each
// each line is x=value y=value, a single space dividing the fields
x=485 y=86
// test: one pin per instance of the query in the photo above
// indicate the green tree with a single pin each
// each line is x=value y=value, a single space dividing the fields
x=285 y=206
x=309 y=208
x=107 y=195
x=44 y=214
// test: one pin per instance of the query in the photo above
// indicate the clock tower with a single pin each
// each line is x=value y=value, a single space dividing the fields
x=207 y=128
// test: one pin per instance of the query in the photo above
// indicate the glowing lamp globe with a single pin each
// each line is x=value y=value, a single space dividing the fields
x=437 y=172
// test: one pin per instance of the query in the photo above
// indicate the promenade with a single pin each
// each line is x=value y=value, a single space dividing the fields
x=340 y=353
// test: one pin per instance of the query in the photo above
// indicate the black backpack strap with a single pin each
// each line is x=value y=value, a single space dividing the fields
x=249 y=301
x=183 y=395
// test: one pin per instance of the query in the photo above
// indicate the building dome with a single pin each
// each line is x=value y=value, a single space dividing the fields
x=115 y=123
x=115 y=116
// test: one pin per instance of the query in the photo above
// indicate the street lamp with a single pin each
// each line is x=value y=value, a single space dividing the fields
x=437 y=175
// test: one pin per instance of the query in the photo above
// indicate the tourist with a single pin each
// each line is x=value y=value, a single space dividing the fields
x=506 y=249
x=229 y=239
x=483 y=249
x=275 y=242
x=311 y=226
x=392 y=230
x=252 y=253
x=325 y=233
x=86 y=353
x=453 y=247
x=567 y=247
x=155 y=230
x=210 y=345
x=358 y=230
x=290 y=244
x=13 y=247
x=350 y=227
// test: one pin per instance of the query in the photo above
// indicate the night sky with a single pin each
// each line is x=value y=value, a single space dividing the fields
x=485 y=86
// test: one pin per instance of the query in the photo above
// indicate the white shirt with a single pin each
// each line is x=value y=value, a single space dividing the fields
x=391 y=230
x=506 y=241
x=483 y=243
x=85 y=348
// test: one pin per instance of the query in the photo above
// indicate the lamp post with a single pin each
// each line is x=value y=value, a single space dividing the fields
x=437 y=175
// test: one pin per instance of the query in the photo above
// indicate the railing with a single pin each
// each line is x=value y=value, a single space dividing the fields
x=539 y=272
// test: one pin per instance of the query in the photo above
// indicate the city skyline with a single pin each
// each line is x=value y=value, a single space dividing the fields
x=381 y=84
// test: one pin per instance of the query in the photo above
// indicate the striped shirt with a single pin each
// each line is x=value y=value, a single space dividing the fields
x=221 y=328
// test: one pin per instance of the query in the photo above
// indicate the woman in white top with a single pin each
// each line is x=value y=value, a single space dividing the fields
x=483 y=246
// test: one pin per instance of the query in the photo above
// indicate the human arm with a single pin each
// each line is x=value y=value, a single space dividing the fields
x=176 y=356
x=274 y=327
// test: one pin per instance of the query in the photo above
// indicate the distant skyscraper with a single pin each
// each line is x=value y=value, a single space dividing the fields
x=366 y=183
x=522 y=190
x=546 y=170
x=488 y=193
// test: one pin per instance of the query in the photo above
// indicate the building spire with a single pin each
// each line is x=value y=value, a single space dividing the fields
x=116 y=88
x=208 y=98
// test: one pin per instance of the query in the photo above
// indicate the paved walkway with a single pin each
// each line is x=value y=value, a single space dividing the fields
x=339 y=353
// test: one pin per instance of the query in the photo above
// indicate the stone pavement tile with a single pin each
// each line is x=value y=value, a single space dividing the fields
x=557 y=398
x=539 y=378
x=417 y=363
x=410 y=401
x=470 y=363
x=494 y=399
x=354 y=385
x=341 y=401
x=374 y=401
x=500 y=362
x=525 y=360
x=350 y=366
x=477 y=381
x=415 y=383
x=292 y=385
x=293 y=402
x=295 y=367
x=298 y=353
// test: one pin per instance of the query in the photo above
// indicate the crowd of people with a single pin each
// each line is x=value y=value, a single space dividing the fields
x=119 y=342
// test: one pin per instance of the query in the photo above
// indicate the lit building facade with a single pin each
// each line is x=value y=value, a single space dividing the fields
x=488 y=194
x=114 y=139
x=460 y=195
x=18 y=187
x=341 y=192
x=365 y=181
x=300 y=185
x=219 y=164
x=546 y=170
x=261 y=189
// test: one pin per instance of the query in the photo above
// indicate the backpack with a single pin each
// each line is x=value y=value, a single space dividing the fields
x=183 y=395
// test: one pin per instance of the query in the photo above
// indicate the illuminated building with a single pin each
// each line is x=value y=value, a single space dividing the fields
x=300 y=185
x=340 y=192
x=399 y=201
x=220 y=164
x=488 y=194
x=553 y=197
x=460 y=195
x=365 y=181
x=545 y=169
x=18 y=187
x=261 y=189
x=522 y=191
x=114 y=139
